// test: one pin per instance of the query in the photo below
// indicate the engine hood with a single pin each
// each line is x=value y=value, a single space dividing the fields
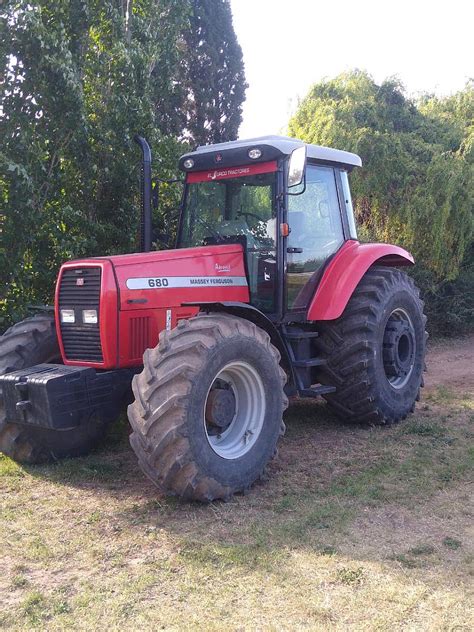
x=169 y=278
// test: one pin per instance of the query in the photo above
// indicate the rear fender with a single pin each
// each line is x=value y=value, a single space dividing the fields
x=344 y=272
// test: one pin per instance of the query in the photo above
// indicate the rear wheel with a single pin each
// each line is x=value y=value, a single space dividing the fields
x=30 y=342
x=375 y=351
x=208 y=408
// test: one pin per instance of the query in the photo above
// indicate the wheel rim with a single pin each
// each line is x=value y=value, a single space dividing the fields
x=234 y=410
x=399 y=347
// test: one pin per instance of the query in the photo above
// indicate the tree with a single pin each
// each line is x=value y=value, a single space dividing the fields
x=214 y=74
x=417 y=184
x=79 y=79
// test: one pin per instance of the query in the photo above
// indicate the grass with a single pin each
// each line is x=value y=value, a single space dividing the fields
x=350 y=576
x=452 y=543
x=356 y=529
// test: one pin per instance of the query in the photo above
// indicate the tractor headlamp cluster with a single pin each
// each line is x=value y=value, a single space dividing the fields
x=89 y=316
x=188 y=163
x=68 y=316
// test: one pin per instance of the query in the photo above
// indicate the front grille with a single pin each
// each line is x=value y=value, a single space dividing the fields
x=80 y=341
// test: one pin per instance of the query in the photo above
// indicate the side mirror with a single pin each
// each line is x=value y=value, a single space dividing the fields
x=296 y=167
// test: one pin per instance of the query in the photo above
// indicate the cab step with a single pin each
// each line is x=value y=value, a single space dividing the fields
x=300 y=335
x=316 y=391
x=309 y=362
x=304 y=358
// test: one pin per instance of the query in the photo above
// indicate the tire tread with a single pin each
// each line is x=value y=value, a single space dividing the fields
x=157 y=416
x=347 y=344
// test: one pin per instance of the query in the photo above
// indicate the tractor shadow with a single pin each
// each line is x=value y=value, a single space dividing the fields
x=331 y=490
x=313 y=436
x=295 y=505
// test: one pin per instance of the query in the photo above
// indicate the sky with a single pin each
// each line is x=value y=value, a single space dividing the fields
x=290 y=44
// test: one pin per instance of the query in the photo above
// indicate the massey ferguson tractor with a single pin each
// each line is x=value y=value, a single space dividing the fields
x=267 y=294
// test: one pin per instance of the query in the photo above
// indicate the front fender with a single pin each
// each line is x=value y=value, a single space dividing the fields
x=243 y=310
x=344 y=272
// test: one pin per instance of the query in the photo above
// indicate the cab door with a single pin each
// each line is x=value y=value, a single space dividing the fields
x=316 y=233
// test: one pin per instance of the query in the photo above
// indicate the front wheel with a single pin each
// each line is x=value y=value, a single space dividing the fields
x=375 y=352
x=208 y=409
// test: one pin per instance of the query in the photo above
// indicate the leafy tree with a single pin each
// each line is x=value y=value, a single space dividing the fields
x=417 y=184
x=79 y=79
x=214 y=71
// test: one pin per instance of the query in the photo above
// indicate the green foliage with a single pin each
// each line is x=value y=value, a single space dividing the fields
x=214 y=72
x=417 y=185
x=79 y=79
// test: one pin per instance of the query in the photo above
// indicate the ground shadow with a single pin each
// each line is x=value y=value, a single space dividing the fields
x=326 y=476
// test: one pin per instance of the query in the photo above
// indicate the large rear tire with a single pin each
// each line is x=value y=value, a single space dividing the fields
x=30 y=342
x=208 y=409
x=375 y=352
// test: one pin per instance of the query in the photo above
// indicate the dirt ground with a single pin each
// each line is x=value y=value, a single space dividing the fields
x=451 y=363
x=356 y=528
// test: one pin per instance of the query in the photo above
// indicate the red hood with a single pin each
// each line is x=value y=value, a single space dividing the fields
x=202 y=274
x=155 y=256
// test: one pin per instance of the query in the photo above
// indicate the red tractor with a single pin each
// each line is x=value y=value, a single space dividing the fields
x=267 y=294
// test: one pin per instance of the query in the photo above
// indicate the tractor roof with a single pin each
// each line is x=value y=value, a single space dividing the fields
x=272 y=147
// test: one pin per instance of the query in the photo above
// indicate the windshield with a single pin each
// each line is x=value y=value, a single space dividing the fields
x=218 y=210
x=236 y=210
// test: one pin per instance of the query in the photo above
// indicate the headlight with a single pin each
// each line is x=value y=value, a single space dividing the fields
x=188 y=163
x=254 y=153
x=89 y=316
x=68 y=316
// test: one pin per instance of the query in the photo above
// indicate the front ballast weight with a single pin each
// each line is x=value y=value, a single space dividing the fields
x=35 y=426
x=58 y=397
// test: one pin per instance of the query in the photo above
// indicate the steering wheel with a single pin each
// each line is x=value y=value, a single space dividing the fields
x=208 y=227
x=250 y=214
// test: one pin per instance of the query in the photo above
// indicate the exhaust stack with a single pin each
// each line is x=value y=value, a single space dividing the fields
x=145 y=221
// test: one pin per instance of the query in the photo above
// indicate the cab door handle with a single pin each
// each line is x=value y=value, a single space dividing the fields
x=294 y=250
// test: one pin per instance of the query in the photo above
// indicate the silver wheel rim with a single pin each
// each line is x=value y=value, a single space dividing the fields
x=246 y=422
x=405 y=346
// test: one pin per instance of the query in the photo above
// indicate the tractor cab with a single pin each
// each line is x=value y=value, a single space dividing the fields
x=286 y=202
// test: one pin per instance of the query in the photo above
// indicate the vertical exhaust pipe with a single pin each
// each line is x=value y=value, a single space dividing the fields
x=145 y=178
